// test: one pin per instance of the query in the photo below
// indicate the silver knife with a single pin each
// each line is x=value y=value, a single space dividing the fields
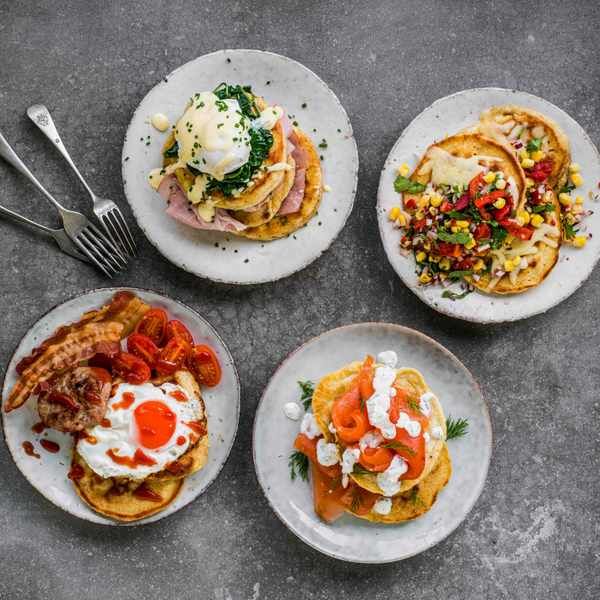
x=58 y=235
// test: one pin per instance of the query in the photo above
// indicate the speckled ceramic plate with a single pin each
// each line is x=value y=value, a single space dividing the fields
x=446 y=117
x=308 y=101
x=48 y=474
x=350 y=538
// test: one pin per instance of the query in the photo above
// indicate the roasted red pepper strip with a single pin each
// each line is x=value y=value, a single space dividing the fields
x=475 y=184
x=523 y=233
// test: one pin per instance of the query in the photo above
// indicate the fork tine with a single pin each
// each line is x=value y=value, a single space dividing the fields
x=86 y=237
x=104 y=241
x=106 y=255
x=111 y=220
x=117 y=215
x=89 y=254
x=112 y=232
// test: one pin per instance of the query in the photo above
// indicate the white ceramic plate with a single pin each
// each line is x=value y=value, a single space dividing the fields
x=446 y=117
x=350 y=538
x=49 y=474
x=224 y=257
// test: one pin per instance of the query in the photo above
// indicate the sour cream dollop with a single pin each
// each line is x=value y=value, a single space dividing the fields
x=389 y=480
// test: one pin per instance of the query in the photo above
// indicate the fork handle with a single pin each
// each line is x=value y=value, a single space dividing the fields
x=10 y=156
x=42 y=118
x=20 y=218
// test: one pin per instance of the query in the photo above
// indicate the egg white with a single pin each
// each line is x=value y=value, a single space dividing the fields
x=121 y=435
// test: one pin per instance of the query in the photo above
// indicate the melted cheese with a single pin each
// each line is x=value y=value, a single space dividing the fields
x=447 y=169
x=157 y=175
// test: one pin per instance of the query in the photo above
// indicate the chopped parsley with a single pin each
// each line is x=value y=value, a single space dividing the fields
x=460 y=237
x=459 y=274
x=570 y=231
x=534 y=145
x=542 y=208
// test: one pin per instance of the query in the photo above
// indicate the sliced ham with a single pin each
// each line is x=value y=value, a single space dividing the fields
x=179 y=209
x=293 y=200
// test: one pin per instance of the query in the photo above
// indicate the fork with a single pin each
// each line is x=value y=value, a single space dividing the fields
x=59 y=235
x=86 y=236
x=106 y=210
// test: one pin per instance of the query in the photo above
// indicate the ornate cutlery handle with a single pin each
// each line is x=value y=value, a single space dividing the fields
x=41 y=116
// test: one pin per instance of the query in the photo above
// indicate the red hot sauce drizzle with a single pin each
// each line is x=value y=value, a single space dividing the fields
x=128 y=400
x=145 y=493
x=139 y=458
x=178 y=395
x=49 y=446
x=29 y=450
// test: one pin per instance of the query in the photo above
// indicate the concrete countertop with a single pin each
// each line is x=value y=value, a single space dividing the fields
x=533 y=533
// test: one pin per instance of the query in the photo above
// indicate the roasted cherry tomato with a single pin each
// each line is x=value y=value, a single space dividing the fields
x=349 y=417
x=376 y=459
x=131 y=368
x=104 y=355
x=541 y=170
x=172 y=356
x=153 y=325
x=204 y=364
x=446 y=206
x=178 y=329
x=523 y=233
x=142 y=346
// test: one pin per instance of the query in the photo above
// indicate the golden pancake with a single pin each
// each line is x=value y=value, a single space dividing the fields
x=273 y=202
x=419 y=499
x=282 y=225
x=333 y=385
x=499 y=121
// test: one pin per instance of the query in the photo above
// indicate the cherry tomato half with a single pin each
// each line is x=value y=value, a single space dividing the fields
x=143 y=347
x=153 y=325
x=131 y=368
x=178 y=329
x=204 y=364
x=172 y=356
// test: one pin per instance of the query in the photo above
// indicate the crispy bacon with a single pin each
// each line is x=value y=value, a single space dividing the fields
x=96 y=331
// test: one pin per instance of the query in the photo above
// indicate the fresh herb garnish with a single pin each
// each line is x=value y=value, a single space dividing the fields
x=240 y=93
x=456 y=214
x=395 y=445
x=456 y=428
x=460 y=237
x=542 y=208
x=455 y=296
x=567 y=188
x=498 y=236
x=404 y=184
x=459 y=274
x=534 y=145
x=308 y=389
x=172 y=152
x=298 y=464
x=570 y=231
x=414 y=405
x=359 y=469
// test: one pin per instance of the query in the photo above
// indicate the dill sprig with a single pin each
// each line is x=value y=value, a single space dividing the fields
x=308 y=389
x=298 y=464
x=396 y=445
x=456 y=428
x=414 y=497
x=414 y=405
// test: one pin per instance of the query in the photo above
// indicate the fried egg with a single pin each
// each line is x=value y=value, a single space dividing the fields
x=145 y=428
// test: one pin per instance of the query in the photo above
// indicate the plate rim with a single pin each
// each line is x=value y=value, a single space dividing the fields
x=110 y=522
x=440 y=308
x=407 y=331
x=346 y=216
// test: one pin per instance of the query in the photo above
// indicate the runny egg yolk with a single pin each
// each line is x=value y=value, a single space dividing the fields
x=155 y=423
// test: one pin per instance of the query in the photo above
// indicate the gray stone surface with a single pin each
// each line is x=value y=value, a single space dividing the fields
x=534 y=531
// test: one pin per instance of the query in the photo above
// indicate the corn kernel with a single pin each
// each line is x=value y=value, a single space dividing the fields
x=423 y=202
x=523 y=154
x=509 y=239
x=501 y=184
x=402 y=220
x=479 y=265
x=427 y=245
x=536 y=220
x=462 y=224
x=570 y=219
x=424 y=277
x=527 y=163
x=445 y=264
x=538 y=155
x=489 y=177
x=516 y=260
x=436 y=200
x=421 y=256
x=564 y=199
x=529 y=183
x=419 y=215
x=577 y=179
x=574 y=168
x=403 y=170
x=500 y=203
x=434 y=258
x=523 y=217
x=454 y=229
x=508 y=266
x=470 y=244
x=578 y=199
x=580 y=241
x=433 y=211
x=394 y=213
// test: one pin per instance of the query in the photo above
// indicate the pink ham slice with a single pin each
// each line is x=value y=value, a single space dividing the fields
x=179 y=209
x=293 y=200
